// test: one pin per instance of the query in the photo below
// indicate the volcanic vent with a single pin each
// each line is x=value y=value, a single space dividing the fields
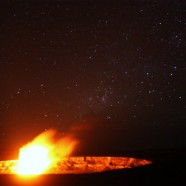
x=48 y=154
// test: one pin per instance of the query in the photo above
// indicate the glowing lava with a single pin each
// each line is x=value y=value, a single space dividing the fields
x=43 y=152
x=49 y=154
x=80 y=165
x=33 y=160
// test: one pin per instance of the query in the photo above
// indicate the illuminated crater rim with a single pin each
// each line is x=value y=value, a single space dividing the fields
x=81 y=165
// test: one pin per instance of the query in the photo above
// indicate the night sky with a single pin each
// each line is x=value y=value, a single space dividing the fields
x=111 y=72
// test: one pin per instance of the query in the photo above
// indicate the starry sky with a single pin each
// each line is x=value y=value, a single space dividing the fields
x=111 y=72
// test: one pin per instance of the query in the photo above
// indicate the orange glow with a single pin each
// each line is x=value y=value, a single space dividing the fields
x=49 y=153
x=43 y=152
x=81 y=165
x=33 y=160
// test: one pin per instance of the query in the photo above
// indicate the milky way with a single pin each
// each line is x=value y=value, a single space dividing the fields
x=117 y=66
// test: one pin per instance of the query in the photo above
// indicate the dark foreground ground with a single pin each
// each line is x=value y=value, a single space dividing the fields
x=168 y=168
